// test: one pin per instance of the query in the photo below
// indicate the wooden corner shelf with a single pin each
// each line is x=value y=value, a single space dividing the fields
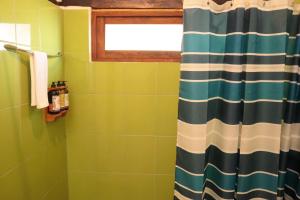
x=53 y=117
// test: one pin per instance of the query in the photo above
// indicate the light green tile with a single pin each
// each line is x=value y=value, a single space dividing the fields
x=140 y=114
x=56 y=132
x=111 y=114
x=168 y=79
x=49 y=18
x=166 y=118
x=139 y=78
x=164 y=185
x=78 y=75
x=9 y=80
x=81 y=116
x=10 y=147
x=56 y=164
x=28 y=181
x=92 y=186
x=95 y=186
x=27 y=5
x=55 y=70
x=76 y=31
x=24 y=79
x=125 y=78
x=13 y=187
x=33 y=132
x=165 y=155
x=6 y=11
x=57 y=192
x=132 y=154
x=108 y=77
x=133 y=186
x=56 y=155
x=34 y=177
x=92 y=155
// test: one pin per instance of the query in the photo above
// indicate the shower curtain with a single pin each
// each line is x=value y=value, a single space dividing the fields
x=239 y=106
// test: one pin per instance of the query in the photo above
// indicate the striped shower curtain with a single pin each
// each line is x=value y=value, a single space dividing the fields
x=239 y=106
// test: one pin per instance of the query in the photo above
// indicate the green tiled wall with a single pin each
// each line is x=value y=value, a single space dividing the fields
x=121 y=131
x=32 y=153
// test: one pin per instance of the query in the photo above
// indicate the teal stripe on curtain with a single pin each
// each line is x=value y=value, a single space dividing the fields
x=259 y=180
x=281 y=180
x=234 y=91
x=239 y=106
x=185 y=179
x=220 y=179
x=237 y=91
x=242 y=44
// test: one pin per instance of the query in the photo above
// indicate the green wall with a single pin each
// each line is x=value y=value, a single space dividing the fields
x=32 y=153
x=121 y=131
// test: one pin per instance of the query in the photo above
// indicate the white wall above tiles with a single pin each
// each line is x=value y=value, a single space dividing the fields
x=17 y=34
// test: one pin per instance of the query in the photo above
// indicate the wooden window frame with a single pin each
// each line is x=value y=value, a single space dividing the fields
x=131 y=16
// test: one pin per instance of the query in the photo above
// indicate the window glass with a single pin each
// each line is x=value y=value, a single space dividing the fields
x=143 y=37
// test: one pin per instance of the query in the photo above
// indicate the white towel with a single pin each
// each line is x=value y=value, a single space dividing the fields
x=39 y=79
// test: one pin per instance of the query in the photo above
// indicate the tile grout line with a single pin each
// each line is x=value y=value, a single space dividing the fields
x=14 y=106
x=119 y=173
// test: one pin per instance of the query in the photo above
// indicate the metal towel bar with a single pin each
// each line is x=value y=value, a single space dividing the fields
x=15 y=49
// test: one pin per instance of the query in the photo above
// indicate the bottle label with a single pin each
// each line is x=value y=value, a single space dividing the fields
x=56 y=103
x=62 y=99
x=66 y=100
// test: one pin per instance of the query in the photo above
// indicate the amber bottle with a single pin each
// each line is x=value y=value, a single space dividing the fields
x=53 y=98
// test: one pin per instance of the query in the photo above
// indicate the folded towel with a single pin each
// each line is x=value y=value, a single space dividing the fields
x=39 y=79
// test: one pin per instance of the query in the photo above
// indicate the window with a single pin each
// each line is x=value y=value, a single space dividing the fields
x=137 y=35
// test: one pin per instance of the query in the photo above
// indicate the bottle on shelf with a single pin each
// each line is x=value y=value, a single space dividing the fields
x=61 y=91
x=66 y=96
x=53 y=98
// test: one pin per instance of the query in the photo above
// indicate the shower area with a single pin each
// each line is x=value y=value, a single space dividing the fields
x=216 y=119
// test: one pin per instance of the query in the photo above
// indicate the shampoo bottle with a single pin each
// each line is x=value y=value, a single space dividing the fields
x=53 y=98
x=66 y=96
x=61 y=90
